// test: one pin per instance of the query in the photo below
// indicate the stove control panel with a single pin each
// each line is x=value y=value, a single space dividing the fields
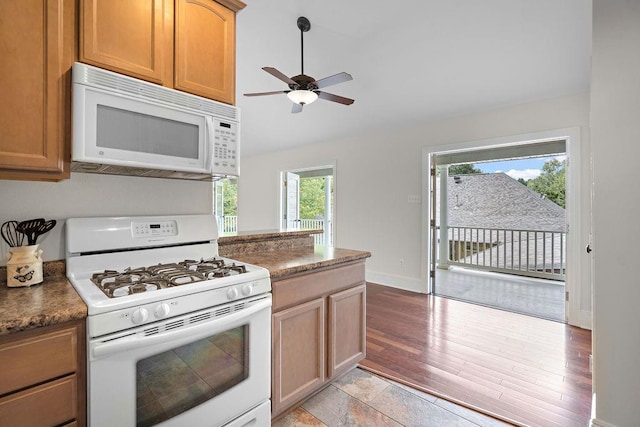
x=151 y=229
x=226 y=155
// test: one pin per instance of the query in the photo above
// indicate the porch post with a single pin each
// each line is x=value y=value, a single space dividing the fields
x=443 y=249
x=327 y=211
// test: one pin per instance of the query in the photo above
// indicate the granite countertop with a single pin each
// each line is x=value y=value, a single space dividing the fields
x=51 y=302
x=56 y=301
x=243 y=236
x=287 y=262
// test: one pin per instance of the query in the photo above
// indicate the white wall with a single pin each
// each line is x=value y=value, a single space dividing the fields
x=96 y=195
x=615 y=117
x=375 y=173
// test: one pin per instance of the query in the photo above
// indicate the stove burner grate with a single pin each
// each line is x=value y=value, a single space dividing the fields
x=130 y=281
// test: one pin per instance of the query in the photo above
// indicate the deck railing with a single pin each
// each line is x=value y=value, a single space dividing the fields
x=523 y=252
x=228 y=224
x=324 y=238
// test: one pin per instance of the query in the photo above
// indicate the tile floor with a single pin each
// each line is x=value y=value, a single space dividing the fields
x=364 y=399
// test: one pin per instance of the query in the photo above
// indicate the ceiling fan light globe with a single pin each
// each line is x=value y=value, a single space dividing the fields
x=302 y=97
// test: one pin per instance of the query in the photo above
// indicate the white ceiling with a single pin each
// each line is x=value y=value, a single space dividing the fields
x=412 y=62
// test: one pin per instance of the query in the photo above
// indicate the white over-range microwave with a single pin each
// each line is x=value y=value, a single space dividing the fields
x=126 y=126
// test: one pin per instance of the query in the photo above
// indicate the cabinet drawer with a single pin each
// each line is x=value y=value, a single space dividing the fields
x=296 y=290
x=36 y=359
x=49 y=404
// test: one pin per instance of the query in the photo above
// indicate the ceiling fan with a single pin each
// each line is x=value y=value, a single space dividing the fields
x=304 y=89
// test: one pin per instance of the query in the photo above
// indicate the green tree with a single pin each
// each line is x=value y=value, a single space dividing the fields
x=230 y=197
x=463 y=169
x=312 y=197
x=522 y=181
x=551 y=181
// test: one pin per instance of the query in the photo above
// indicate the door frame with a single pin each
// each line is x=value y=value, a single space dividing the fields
x=331 y=164
x=571 y=135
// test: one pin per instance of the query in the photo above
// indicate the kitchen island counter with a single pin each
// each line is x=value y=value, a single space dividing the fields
x=52 y=302
x=257 y=235
x=235 y=244
x=285 y=263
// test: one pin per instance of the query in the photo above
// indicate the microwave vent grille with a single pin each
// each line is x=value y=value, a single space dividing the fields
x=105 y=79
x=100 y=168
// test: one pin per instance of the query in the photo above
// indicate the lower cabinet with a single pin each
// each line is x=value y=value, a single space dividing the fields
x=319 y=331
x=42 y=377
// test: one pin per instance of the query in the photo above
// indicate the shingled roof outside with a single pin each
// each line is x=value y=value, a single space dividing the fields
x=495 y=200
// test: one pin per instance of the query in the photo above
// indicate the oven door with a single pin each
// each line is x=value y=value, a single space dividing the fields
x=205 y=368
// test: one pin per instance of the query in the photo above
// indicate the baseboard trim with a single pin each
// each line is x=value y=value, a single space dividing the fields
x=401 y=282
x=599 y=423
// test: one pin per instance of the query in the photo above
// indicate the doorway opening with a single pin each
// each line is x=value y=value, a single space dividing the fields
x=225 y=206
x=497 y=239
x=308 y=201
x=504 y=216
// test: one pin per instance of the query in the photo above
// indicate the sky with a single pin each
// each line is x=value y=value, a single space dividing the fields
x=524 y=168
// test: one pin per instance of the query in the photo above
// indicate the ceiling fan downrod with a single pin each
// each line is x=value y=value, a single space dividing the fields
x=304 y=25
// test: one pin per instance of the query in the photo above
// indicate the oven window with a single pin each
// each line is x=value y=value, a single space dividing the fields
x=177 y=380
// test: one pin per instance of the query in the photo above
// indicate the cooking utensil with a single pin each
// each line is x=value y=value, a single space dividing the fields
x=10 y=234
x=29 y=228
x=44 y=228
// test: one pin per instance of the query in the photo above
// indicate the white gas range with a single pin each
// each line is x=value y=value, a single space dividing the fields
x=177 y=335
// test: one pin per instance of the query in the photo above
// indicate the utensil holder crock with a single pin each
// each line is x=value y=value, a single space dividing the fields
x=24 y=267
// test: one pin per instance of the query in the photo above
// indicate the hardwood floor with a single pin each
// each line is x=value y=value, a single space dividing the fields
x=521 y=369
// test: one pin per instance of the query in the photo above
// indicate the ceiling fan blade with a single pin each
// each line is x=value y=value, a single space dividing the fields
x=296 y=108
x=277 y=74
x=333 y=80
x=334 y=98
x=266 y=93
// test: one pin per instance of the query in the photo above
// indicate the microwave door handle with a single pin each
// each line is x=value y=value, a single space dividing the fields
x=195 y=332
x=211 y=139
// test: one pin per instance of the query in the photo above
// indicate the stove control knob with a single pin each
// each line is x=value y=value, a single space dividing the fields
x=246 y=290
x=232 y=293
x=162 y=310
x=140 y=315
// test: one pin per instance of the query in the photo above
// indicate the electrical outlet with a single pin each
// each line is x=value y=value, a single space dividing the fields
x=401 y=263
x=414 y=199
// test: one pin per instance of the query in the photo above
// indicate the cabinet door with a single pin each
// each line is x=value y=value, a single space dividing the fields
x=37 y=47
x=347 y=329
x=205 y=49
x=129 y=37
x=299 y=364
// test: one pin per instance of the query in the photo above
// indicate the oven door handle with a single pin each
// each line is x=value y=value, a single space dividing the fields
x=190 y=333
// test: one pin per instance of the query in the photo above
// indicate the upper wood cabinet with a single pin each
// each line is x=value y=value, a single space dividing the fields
x=37 y=47
x=129 y=37
x=188 y=45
